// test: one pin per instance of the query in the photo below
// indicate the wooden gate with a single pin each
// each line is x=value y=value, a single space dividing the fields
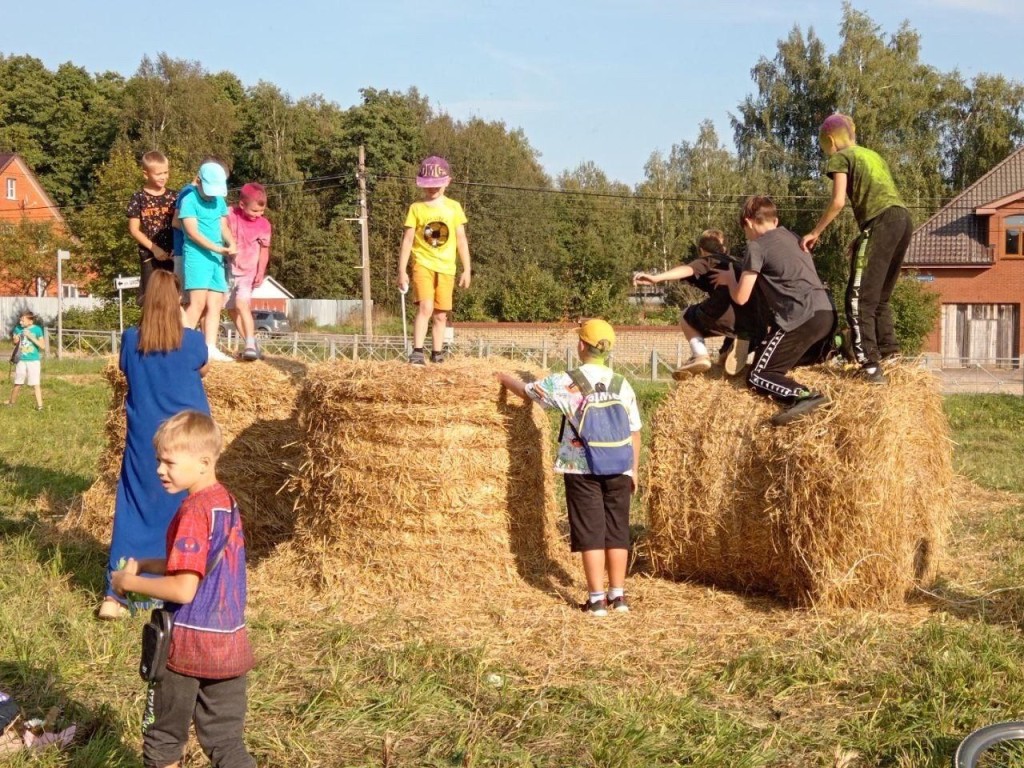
x=980 y=334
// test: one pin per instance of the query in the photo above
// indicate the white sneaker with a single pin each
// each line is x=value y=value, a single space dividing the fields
x=217 y=356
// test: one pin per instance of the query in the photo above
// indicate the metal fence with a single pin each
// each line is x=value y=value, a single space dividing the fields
x=1002 y=376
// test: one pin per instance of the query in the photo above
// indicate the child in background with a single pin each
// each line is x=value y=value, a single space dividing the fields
x=861 y=175
x=435 y=229
x=598 y=505
x=29 y=337
x=150 y=213
x=803 y=316
x=203 y=582
x=251 y=231
x=208 y=239
x=717 y=315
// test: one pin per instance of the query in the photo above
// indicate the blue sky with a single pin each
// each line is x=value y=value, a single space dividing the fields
x=606 y=80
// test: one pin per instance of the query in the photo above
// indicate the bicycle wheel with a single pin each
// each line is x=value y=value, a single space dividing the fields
x=975 y=744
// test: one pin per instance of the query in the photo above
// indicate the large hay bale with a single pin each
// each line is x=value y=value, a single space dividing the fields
x=844 y=508
x=254 y=404
x=425 y=483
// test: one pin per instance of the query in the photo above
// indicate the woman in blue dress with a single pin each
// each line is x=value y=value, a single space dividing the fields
x=164 y=364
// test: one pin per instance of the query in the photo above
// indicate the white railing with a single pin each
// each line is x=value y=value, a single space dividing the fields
x=958 y=376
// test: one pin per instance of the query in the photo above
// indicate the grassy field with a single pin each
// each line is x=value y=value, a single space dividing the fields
x=727 y=680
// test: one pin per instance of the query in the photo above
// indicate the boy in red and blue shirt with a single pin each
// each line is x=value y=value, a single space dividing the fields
x=203 y=582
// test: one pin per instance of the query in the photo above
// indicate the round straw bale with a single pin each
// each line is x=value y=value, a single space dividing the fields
x=425 y=481
x=254 y=405
x=845 y=508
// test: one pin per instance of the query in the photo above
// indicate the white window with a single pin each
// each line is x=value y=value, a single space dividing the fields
x=70 y=291
x=12 y=189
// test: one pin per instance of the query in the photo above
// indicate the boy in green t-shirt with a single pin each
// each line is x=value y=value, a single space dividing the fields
x=29 y=338
x=877 y=254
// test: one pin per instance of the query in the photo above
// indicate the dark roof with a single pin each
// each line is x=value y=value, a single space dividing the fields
x=5 y=158
x=956 y=235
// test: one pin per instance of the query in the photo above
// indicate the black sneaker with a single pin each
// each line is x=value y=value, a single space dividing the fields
x=438 y=357
x=600 y=608
x=805 y=405
x=871 y=373
x=416 y=358
x=619 y=604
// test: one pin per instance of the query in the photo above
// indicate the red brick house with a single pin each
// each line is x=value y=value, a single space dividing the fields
x=22 y=196
x=972 y=254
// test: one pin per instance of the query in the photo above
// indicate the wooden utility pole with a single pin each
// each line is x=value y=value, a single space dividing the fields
x=364 y=228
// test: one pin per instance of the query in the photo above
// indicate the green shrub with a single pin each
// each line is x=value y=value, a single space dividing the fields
x=104 y=318
x=915 y=311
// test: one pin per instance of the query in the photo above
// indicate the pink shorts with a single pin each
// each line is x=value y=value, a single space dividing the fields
x=241 y=288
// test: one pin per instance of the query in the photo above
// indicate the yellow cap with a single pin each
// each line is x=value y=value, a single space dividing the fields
x=598 y=334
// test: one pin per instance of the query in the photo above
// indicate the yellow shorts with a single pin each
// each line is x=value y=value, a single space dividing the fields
x=430 y=284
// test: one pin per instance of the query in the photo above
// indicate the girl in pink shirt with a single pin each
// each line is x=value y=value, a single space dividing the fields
x=249 y=266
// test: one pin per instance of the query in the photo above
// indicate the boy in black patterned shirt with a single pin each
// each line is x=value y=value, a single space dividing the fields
x=150 y=212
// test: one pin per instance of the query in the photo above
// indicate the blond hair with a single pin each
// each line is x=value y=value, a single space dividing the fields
x=190 y=432
x=153 y=157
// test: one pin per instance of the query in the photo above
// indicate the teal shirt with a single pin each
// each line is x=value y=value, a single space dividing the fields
x=869 y=184
x=29 y=351
x=208 y=212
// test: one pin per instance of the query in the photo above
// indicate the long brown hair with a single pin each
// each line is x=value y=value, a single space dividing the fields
x=161 y=329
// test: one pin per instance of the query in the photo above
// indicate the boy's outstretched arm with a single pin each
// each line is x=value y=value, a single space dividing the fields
x=403 y=258
x=462 y=245
x=513 y=384
x=835 y=205
x=681 y=272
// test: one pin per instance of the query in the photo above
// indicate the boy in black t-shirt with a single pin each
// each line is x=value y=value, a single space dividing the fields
x=150 y=212
x=802 y=313
x=717 y=315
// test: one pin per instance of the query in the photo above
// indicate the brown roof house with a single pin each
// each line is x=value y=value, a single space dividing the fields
x=972 y=254
x=23 y=197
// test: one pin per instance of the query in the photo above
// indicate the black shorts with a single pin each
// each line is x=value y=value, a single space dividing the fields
x=706 y=325
x=598 y=511
x=216 y=706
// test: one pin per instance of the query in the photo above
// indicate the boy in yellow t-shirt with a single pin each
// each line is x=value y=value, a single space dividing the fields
x=435 y=230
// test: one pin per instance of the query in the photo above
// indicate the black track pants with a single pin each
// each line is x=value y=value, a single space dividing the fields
x=875 y=261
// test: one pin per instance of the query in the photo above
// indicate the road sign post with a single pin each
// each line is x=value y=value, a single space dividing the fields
x=121 y=283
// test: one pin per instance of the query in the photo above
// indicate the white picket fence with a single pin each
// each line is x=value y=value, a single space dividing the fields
x=44 y=306
x=993 y=376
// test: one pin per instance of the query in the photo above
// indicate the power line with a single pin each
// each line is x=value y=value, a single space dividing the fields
x=267 y=185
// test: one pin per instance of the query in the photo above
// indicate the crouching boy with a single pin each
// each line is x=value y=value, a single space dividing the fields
x=598 y=456
x=202 y=582
x=803 y=317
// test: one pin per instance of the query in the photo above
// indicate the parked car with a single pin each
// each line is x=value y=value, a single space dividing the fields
x=268 y=323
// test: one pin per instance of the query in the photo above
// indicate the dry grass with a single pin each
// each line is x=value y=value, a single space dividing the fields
x=844 y=508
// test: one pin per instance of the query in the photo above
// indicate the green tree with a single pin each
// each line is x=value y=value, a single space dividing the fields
x=984 y=125
x=101 y=224
x=597 y=243
x=177 y=107
x=62 y=123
